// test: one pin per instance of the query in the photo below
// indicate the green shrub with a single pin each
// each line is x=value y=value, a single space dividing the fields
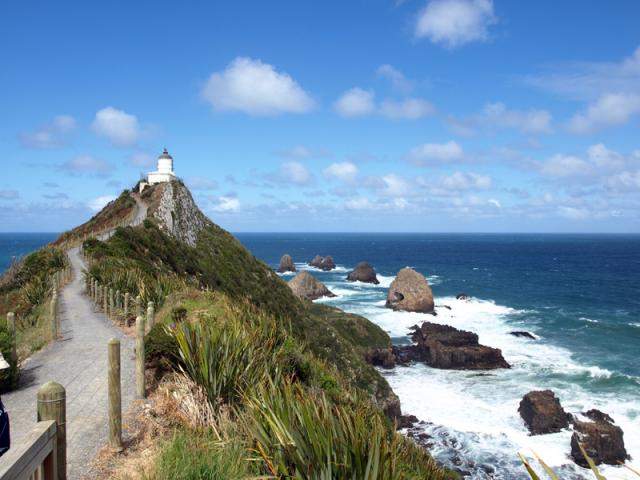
x=160 y=345
x=299 y=433
x=9 y=377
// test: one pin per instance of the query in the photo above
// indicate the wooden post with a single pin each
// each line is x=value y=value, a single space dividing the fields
x=115 y=396
x=98 y=290
x=111 y=301
x=52 y=406
x=150 y=315
x=11 y=326
x=105 y=302
x=126 y=306
x=53 y=314
x=140 y=387
x=118 y=298
x=139 y=311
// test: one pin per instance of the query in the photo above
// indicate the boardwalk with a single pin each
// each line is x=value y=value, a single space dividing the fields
x=78 y=361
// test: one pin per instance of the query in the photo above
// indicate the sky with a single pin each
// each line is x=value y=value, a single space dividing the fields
x=373 y=116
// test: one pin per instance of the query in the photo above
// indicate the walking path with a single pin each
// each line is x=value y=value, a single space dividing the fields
x=78 y=361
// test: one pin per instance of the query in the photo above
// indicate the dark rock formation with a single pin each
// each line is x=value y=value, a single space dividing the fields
x=542 y=412
x=442 y=346
x=286 y=264
x=305 y=285
x=405 y=421
x=462 y=296
x=524 y=334
x=410 y=292
x=600 y=438
x=323 y=263
x=381 y=357
x=363 y=273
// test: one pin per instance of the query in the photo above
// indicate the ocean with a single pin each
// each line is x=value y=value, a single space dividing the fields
x=579 y=294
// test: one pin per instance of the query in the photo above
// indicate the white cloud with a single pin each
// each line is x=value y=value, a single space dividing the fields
x=142 y=159
x=359 y=203
x=624 y=182
x=296 y=173
x=51 y=135
x=256 y=88
x=201 y=183
x=345 y=171
x=395 y=186
x=355 y=102
x=573 y=213
x=119 y=127
x=609 y=110
x=453 y=23
x=9 y=194
x=299 y=152
x=99 y=203
x=436 y=152
x=565 y=166
x=225 y=204
x=410 y=108
x=604 y=158
x=528 y=121
x=86 y=164
x=399 y=82
x=466 y=181
x=590 y=80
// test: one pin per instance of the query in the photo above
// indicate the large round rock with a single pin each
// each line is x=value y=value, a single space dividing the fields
x=410 y=292
x=363 y=273
x=286 y=264
x=542 y=412
x=305 y=285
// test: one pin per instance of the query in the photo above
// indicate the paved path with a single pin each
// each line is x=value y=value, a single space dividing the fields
x=78 y=361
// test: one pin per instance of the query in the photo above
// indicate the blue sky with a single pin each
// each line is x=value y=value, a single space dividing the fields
x=440 y=115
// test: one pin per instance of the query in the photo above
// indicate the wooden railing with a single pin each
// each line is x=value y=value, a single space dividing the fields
x=35 y=457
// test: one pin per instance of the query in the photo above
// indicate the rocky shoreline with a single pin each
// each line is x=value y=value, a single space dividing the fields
x=445 y=347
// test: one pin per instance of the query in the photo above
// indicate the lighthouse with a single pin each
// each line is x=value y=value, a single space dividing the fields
x=164 y=171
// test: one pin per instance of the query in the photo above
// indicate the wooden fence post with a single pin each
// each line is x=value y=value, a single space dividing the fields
x=53 y=314
x=126 y=306
x=139 y=311
x=140 y=384
x=105 y=303
x=118 y=299
x=115 y=396
x=98 y=289
x=11 y=326
x=52 y=406
x=150 y=315
x=111 y=301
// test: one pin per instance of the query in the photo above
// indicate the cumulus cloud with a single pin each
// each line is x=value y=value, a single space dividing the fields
x=528 y=121
x=201 y=183
x=295 y=173
x=466 y=181
x=355 y=102
x=142 y=159
x=345 y=171
x=119 y=127
x=573 y=213
x=399 y=82
x=565 y=166
x=52 y=135
x=410 y=108
x=427 y=153
x=300 y=152
x=609 y=110
x=225 y=204
x=358 y=203
x=256 y=88
x=627 y=181
x=98 y=203
x=87 y=165
x=454 y=23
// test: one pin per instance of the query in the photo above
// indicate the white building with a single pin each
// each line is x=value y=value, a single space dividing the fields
x=163 y=173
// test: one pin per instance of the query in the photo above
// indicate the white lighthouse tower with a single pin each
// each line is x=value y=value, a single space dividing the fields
x=164 y=172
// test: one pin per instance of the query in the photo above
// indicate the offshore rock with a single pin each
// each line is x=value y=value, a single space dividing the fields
x=410 y=292
x=363 y=273
x=523 y=334
x=323 y=263
x=305 y=285
x=442 y=346
x=542 y=412
x=601 y=439
x=286 y=264
x=381 y=357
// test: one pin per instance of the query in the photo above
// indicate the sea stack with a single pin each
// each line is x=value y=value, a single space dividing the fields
x=363 y=273
x=410 y=292
x=600 y=438
x=286 y=264
x=305 y=285
x=323 y=263
x=542 y=412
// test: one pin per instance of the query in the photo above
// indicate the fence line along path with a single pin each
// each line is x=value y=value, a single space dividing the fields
x=78 y=360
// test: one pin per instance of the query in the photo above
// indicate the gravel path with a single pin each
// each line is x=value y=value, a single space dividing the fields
x=78 y=361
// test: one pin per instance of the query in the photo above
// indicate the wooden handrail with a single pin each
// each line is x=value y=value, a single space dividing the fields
x=35 y=457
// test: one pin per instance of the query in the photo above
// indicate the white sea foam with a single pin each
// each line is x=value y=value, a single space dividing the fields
x=634 y=324
x=590 y=320
x=480 y=410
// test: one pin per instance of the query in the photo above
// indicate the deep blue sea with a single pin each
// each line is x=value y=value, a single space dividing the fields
x=579 y=294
